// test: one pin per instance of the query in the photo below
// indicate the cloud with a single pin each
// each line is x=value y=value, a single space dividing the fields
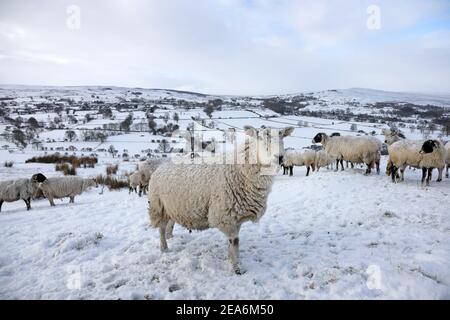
x=228 y=46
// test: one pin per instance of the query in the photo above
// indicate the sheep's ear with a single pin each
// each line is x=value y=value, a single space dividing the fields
x=287 y=131
x=250 y=131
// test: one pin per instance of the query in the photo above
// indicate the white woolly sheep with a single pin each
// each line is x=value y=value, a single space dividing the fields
x=134 y=181
x=323 y=159
x=298 y=158
x=394 y=135
x=146 y=170
x=222 y=196
x=377 y=144
x=353 y=149
x=62 y=187
x=427 y=155
x=13 y=190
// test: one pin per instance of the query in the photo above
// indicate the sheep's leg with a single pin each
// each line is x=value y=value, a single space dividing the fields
x=337 y=165
x=402 y=173
x=291 y=170
x=72 y=199
x=28 y=203
x=169 y=229
x=342 y=165
x=162 y=236
x=430 y=170
x=352 y=165
x=140 y=190
x=50 y=199
x=394 y=173
x=233 y=253
x=446 y=172
x=307 y=171
x=440 y=170
x=424 y=174
x=369 y=169
x=313 y=166
x=1 y=203
x=377 y=163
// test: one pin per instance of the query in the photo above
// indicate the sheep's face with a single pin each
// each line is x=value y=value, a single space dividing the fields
x=266 y=145
x=38 y=178
x=319 y=138
x=391 y=136
x=429 y=146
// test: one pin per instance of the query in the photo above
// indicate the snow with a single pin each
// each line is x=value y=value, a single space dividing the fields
x=364 y=95
x=331 y=235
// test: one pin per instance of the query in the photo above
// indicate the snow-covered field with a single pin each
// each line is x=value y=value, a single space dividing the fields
x=331 y=235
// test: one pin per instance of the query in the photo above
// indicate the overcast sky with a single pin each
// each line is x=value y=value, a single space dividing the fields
x=228 y=46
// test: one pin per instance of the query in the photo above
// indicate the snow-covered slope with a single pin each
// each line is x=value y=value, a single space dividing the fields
x=116 y=94
x=366 y=96
x=331 y=235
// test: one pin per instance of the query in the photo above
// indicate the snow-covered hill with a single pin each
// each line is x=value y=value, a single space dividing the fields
x=330 y=235
x=112 y=94
x=366 y=96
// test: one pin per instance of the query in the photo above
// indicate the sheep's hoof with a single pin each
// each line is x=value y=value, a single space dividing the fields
x=239 y=272
x=438 y=180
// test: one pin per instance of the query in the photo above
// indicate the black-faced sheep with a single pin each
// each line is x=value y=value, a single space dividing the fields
x=426 y=155
x=222 y=196
x=14 y=190
x=353 y=149
x=62 y=187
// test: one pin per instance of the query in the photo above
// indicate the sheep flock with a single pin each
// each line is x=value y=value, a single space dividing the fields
x=200 y=196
